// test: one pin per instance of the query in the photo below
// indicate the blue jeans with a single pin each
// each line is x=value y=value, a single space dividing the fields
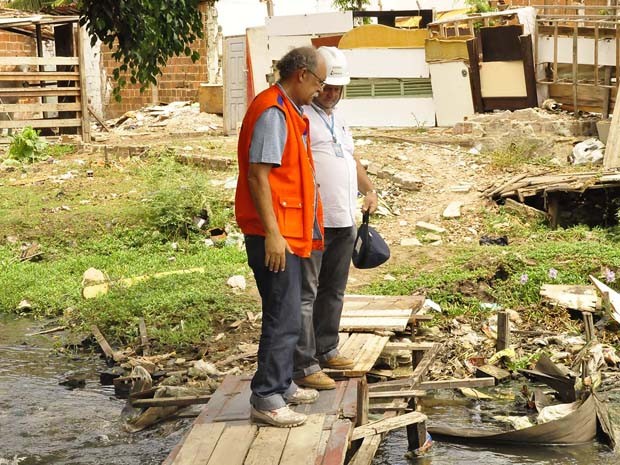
x=281 y=302
x=324 y=279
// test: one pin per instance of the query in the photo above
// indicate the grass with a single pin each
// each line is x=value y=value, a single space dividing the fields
x=472 y=274
x=123 y=221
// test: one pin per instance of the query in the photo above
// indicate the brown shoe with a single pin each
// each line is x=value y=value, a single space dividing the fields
x=318 y=380
x=338 y=363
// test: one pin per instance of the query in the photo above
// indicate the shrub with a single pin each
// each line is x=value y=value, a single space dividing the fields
x=27 y=146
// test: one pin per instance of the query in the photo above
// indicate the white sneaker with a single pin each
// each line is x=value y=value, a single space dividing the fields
x=303 y=396
x=282 y=417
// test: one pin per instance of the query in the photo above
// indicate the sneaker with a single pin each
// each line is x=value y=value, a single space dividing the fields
x=338 y=363
x=282 y=417
x=318 y=380
x=303 y=396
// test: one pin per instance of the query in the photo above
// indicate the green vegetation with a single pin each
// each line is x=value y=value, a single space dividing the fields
x=27 y=146
x=512 y=275
x=516 y=153
x=125 y=221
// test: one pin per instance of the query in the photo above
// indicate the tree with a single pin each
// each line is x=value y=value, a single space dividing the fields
x=356 y=5
x=144 y=34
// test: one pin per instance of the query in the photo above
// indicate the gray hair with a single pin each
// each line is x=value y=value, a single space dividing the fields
x=298 y=58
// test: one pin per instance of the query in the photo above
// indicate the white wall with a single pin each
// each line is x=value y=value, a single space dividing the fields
x=95 y=73
x=396 y=112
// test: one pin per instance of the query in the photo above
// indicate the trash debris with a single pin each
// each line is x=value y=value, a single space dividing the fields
x=493 y=240
x=588 y=151
x=237 y=282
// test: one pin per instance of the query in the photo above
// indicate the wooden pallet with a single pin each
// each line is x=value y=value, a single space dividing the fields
x=373 y=312
x=223 y=433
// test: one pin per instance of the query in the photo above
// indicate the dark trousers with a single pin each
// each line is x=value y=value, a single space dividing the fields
x=324 y=279
x=281 y=301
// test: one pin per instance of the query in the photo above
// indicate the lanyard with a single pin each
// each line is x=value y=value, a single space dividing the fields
x=327 y=124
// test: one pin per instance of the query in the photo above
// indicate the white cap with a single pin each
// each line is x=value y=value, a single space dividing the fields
x=337 y=68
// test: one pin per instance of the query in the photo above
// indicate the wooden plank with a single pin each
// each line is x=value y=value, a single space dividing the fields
x=181 y=401
x=301 y=446
x=373 y=323
x=612 y=149
x=499 y=374
x=237 y=405
x=37 y=107
x=394 y=406
x=199 y=444
x=233 y=445
x=362 y=402
x=588 y=323
x=38 y=61
x=397 y=394
x=39 y=76
x=529 y=69
x=381 y=426
x=474 y=75
x=367 y=450
x=577 y=297
x=376 y=312
x=439 y=384
x=575 y=68
x=41 y=123
x=392 y=347
x=103 y=343
x=39 y=92
x=336 y=448
x=268 y=446
x=349 y=405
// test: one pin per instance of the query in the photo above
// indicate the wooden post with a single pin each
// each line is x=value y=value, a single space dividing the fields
x=596 y=39
x=575 y=69
x=416 y=432
x=555 y=51
x=612 y=149
x=588 y=322
x=503 y=331
x=362 y=402
x=83 y=94
x=607 y=92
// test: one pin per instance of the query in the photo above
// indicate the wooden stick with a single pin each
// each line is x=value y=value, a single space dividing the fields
x=503 y=331
x=588 y=322
x=575 y=68
x=415 y=378
x=99 y=120
x=103 y=343
x=170 y=401
x=381 y=426
x=144 y=339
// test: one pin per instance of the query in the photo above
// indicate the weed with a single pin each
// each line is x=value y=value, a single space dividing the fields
x=26 y=146
x=516 y=153
x=59 y=150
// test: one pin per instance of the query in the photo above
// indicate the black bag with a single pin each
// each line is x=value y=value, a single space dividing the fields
x=369 y=250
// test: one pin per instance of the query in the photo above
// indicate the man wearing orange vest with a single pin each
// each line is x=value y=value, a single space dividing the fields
x=278 y=208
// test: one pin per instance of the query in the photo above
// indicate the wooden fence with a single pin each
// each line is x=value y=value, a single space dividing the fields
x=44 y=99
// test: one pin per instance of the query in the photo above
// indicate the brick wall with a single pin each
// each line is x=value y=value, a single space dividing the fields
x=12 y=44
x=180 y=80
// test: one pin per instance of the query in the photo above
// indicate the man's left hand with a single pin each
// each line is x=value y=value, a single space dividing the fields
x=371 y=202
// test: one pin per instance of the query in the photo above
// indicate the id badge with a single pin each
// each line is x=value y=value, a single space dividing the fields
x=338 y=149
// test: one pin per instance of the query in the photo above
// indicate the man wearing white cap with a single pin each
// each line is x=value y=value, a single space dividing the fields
x=340 y=176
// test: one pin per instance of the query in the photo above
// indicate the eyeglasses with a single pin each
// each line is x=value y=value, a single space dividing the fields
x=321 y=81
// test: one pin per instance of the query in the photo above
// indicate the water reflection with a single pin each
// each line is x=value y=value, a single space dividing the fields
x=42 y=422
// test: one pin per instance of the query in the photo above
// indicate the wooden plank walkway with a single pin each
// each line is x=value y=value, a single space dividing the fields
x=223 y=433
x=363 y=348
x=372 y=312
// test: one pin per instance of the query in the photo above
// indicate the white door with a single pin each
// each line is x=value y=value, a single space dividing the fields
x=451 y=92
x=235 y=82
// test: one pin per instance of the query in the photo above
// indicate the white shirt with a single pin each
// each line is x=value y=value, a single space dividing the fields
x=335 y=175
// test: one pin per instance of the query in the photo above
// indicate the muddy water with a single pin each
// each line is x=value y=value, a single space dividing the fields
x=42 y=422
x=452 y=409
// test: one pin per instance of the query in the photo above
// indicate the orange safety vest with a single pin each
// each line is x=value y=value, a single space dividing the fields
x=293 y=188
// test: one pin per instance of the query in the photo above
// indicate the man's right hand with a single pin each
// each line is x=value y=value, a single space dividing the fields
x=275 y=252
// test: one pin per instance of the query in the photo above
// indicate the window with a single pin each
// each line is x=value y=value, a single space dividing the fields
x=385 y=88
